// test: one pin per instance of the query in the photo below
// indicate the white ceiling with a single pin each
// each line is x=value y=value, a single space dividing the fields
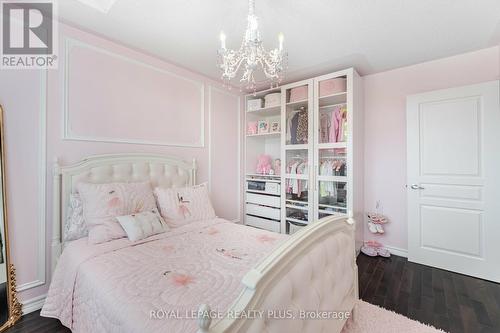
x=320 y=35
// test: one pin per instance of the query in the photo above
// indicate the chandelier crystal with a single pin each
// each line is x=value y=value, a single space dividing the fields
x=251 y=56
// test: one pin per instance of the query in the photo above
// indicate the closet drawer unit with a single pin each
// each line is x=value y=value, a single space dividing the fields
x=265 y=200
x=268 y=212
x=263 y=223
x=263 y=186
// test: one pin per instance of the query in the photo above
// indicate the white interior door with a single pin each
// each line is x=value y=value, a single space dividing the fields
x=454 y=179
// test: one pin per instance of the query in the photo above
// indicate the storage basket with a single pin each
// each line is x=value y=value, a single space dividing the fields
x=254 y=104
x=273 y=99
x=332 y=86
x=298 y=94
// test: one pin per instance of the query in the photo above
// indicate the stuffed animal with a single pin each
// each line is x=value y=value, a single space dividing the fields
x=264 y=164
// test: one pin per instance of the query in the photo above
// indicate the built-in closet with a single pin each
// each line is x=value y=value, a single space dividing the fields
x=312 y=139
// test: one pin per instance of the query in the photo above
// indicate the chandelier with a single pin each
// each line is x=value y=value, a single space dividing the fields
x=251 y=56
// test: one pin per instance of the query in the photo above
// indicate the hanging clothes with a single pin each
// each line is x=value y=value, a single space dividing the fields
x=324 y=127
x=302 y=126
x=339 y=121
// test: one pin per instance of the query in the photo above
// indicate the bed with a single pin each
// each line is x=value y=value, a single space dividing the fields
x=207 y=276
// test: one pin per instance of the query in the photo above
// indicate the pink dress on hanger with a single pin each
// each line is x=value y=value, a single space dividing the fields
x=337 y=124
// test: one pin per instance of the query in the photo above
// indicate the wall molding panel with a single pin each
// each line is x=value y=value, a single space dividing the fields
x=71 y=43
x=210 y=141
x=42 y=190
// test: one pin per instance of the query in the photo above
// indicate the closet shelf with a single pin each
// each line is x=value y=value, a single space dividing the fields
x=331 y=105
x=333 y=99
x=290 y=219
x=332 y=145
x=305 y=203
x=329 y=212
x=297 y=104
x=343 y=179
x=296 y=147
x=333 y=207
x=296 y=176
x=266 y=111
x=264 y=135
x=297 y=207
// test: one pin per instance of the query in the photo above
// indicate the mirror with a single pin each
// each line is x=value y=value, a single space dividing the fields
x=10 y=309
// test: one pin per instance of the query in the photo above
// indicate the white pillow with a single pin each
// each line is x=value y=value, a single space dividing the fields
x=102 y=203
x=179 y=206
x=142 y=225
x=75 y=227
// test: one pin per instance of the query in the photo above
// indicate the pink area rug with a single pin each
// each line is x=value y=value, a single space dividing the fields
x=370 y=318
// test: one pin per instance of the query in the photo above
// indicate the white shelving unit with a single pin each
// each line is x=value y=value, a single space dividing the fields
x=321 y=194
x=297 y=206
x=262 y=207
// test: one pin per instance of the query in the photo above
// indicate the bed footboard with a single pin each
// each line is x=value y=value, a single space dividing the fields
x=308 y=284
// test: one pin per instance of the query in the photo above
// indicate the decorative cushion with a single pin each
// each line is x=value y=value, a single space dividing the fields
x=102 y=203
x=179 y=206
x=75 y=227
x=142 y=225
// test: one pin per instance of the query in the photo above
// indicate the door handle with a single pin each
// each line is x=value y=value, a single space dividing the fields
x=417 y=187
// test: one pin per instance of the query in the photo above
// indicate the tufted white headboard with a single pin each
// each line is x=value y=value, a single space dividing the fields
x=159 y=170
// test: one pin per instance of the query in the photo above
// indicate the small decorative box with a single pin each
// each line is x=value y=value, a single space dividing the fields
x=273 y=99
x=298 y=94
x=254 y=104
x=332 y=86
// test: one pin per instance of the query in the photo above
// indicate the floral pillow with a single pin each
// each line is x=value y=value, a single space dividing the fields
x=75 y=227
x=102 y=203
x=179 y=206
x=142 y=225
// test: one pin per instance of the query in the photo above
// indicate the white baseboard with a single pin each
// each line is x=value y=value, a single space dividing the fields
x=33 y=304
x=398 y=251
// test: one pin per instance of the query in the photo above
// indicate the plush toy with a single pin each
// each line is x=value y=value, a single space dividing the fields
x=264 y=164
x=277 y=166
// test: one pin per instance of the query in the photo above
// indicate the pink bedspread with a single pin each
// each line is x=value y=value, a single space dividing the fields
x=115 y=286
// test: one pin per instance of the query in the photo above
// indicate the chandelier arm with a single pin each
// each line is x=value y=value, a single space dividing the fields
x=251 y=56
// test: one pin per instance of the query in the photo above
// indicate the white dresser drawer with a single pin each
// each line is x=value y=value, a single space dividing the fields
x=265 y=200
x=271 y=213
x=263 y=223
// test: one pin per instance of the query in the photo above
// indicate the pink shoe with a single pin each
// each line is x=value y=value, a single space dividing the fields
x=377 y=218
x=383 y=252
x=369 y=251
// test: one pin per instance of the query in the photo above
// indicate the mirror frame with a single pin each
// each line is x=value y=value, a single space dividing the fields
x=14 y=307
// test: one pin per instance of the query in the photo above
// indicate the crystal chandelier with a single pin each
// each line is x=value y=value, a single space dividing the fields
x=251 y=56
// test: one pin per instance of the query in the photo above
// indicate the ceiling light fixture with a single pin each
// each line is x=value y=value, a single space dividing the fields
x=251 y=56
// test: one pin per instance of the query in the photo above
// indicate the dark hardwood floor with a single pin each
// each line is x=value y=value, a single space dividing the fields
x=453 y=302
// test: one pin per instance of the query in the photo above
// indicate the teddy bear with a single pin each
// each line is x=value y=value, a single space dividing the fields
x=264 y=164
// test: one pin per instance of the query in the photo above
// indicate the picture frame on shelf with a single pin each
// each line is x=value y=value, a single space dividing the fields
x=275 y=127
x=263 y=126
x=252 y=128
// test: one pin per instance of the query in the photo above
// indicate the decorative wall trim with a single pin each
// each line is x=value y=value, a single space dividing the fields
x=33 y=304
x=67 y=135
x=42 y=185
x=238 y=183
x=398 y=251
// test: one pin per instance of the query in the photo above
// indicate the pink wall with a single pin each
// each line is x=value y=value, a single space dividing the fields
x=122 y=101
x=385 y=127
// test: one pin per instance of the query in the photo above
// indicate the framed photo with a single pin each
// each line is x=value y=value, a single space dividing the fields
x=263 y=126
x=275 y=127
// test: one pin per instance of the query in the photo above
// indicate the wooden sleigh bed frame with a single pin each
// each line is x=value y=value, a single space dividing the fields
x=313 y=273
